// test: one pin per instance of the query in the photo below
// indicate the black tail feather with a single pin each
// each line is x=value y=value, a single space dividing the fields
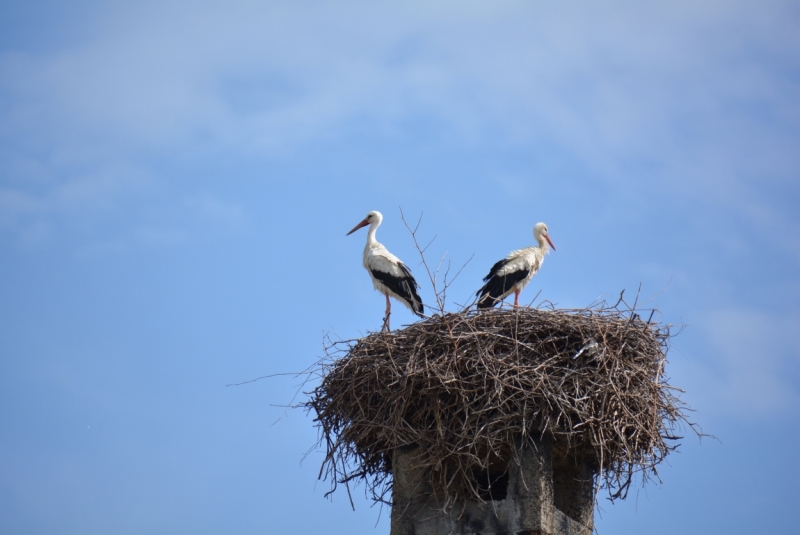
x=497 y=287
x=404 y=287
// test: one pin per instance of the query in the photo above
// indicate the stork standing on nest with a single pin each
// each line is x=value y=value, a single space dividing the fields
x=515 y=271
x=389 y=275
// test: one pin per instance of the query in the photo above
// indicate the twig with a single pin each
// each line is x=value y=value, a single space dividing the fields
x=464 y=387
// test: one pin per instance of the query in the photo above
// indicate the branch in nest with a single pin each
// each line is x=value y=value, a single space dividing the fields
x=463 y=387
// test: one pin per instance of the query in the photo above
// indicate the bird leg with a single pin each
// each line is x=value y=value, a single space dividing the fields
x=388 y=313
x=516 y=298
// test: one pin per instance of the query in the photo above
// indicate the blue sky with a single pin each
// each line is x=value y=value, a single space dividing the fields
x=176 y=182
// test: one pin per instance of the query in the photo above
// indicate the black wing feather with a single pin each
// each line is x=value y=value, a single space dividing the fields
x=497 y=285
x=495 y=268
x=405 y=286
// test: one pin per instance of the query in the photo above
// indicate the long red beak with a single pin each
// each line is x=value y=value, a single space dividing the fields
x=362 y=224
x=551 y=243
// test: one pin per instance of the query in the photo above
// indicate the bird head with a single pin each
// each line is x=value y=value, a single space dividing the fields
x=373 y=218
x=541 y=234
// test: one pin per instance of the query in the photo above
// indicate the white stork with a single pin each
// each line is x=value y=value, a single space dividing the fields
x=389 y=275
x=515 y=271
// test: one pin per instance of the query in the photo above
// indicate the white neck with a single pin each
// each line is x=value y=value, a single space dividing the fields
x=543 y=245
x=371 y=234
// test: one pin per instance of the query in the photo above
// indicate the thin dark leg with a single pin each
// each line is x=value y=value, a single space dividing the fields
x=388 y=313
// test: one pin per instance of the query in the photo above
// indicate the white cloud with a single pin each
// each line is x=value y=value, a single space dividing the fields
x=77 y=195
x=750 y=371
x=704 y=94
x=598 y=77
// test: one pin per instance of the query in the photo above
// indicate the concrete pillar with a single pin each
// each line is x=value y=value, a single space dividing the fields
x=524 y=499
x=573 y=487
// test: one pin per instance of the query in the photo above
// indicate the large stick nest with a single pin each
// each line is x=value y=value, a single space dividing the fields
x=465 y=387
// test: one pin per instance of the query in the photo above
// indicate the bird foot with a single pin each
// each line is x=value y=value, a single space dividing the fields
x=386 y=322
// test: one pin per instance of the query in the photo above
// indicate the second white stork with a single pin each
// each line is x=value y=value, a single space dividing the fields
x=389 y=275
x=515 y=271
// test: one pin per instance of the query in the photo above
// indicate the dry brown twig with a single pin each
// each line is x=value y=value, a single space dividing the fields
x=433 y=275
x=465 y=387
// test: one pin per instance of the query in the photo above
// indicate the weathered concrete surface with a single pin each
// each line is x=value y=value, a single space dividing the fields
x=573 y=485
x=528 y=505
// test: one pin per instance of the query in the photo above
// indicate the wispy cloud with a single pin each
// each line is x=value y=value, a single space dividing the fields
x=70 y=199
x=751 y=369
x=692 y=102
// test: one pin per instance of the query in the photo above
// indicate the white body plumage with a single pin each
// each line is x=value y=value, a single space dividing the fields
x=529 y=260
x=377 y=258
x=388 y=273
x=515 y=271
